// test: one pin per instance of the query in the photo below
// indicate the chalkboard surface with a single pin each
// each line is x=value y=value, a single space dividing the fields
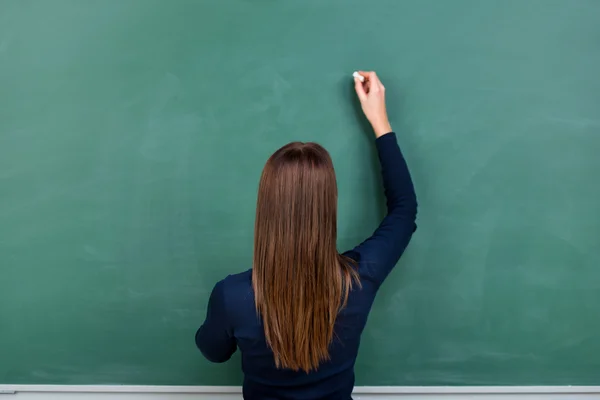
x=133 y=133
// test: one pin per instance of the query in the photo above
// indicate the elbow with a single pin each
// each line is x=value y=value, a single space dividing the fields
x=217 y=359
x=413 y=212
x=409 y=208
x=405 y=215
x=210 y=351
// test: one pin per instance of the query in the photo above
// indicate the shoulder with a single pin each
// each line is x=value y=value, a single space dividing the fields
x=236 y=287
x=237 y=296
x=236 y=280
x=365 y=263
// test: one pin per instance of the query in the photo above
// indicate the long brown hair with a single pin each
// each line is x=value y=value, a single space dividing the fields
x=300 y=280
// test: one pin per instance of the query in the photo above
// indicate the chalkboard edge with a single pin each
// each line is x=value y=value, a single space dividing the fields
x=357 y=390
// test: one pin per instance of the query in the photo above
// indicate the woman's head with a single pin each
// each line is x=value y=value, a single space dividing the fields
x=300 y=281
x=297 y=197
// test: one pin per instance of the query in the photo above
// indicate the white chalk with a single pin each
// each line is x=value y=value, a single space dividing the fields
x=359 y=76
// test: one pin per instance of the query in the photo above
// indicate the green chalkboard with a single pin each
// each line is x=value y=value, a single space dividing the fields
x=133 y=133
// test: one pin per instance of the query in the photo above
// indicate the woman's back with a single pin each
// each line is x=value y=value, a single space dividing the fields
x=262 y=379
x=234 y=319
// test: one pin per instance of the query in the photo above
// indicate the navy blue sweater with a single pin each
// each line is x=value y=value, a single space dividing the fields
x=232 y=322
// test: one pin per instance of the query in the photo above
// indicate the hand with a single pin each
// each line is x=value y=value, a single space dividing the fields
x=371 y=94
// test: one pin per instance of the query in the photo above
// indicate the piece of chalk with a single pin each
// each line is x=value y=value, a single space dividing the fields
x=359 y=76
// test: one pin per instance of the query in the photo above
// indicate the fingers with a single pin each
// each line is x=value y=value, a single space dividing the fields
x=372 y=78
x=369 y=75
x=360 y=90
x=371 y=85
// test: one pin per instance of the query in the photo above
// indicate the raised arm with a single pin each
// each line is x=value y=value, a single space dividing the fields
x=379 y=254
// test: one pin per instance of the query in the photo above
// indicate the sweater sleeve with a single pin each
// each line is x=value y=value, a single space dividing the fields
x=378 y=255
x=215 y=337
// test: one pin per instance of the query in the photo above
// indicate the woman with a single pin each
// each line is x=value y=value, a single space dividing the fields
x=298 y=314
